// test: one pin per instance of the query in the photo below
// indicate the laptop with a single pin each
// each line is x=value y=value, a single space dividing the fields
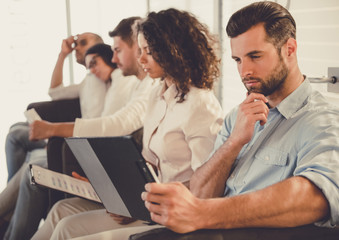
x=117 y=172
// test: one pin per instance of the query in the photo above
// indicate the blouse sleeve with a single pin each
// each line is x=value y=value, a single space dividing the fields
x=125 y=121
x=202 y=127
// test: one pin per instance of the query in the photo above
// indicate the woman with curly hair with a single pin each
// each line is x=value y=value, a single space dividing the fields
x=182 y=46
x=182 y=111
x=182 y=120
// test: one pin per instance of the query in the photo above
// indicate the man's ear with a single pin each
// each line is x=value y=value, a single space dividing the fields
x=291 y=47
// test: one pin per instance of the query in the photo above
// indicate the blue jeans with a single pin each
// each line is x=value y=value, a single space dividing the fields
x=32 y=202
x=17 y=145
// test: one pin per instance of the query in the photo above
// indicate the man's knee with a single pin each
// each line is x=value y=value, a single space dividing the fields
x=56 y=212
x=63 y=229
x=18 y=133
x=38 y=157
x=60 y=210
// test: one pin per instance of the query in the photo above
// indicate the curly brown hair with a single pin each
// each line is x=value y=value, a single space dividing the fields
x=182 y=46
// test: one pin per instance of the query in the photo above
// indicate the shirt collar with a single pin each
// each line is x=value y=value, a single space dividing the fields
x=169 y=94
x=296 y=100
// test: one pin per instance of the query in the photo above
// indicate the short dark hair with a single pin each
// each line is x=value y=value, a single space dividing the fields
x=278 y=22
x=104 y=51
x=183 y=47
x=125 y=30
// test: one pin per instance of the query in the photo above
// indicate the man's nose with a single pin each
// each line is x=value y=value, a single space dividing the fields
x=245 y=69
x=114 y=59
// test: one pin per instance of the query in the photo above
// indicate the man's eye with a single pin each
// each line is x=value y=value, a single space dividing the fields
x=236 y=60
x=255 y=56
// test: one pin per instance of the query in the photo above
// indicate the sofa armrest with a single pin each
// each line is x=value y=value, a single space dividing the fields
x=58 y=111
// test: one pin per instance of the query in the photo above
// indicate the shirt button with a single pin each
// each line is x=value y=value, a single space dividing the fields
x=232 y=175
x=267 y=158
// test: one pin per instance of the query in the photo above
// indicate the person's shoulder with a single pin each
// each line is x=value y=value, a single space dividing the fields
x=203 y=101
x=93 y=83
x=90 y=77
x=318 y=117
x=200 y=96
x=319 y=105
x=117 y=76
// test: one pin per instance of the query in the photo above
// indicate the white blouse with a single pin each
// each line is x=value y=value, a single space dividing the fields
x=178 y=137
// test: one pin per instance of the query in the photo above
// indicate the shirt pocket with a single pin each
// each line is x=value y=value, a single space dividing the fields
x=266 y=167
x=272 y=156
x=270 y=165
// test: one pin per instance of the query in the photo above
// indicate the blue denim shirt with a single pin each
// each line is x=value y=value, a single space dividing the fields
x=305 y=143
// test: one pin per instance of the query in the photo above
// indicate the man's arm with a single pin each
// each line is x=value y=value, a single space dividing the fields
x=209 y=180
x=43 y=130
x=292 y=202
x=66 y=48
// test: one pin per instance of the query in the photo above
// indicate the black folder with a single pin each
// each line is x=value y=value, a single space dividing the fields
x=117 y=172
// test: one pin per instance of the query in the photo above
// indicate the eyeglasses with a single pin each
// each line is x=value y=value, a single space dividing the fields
x=93 y=62
x=81 y=42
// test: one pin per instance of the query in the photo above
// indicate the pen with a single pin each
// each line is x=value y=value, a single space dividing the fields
x=150 y=168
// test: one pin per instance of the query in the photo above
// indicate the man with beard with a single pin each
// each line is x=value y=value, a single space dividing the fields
x=276 y=159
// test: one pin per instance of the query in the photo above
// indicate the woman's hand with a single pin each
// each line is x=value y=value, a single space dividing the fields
x=78 y=176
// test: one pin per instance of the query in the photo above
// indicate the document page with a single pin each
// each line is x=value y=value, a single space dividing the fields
x=63 y=182
x=31 y=115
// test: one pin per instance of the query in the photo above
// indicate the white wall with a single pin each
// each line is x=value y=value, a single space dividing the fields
x=30 y=41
